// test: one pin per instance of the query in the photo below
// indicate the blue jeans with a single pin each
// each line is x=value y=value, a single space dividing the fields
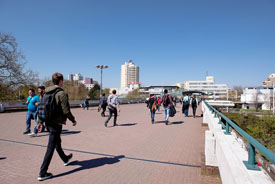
x=166 y=110
x=158 y=107
x=30 y=115
x=152 y=115
x=186 y=111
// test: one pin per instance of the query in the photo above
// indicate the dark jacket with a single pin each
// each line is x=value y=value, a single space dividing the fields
x=150 y=103
x=170 y=99
x=62 y=100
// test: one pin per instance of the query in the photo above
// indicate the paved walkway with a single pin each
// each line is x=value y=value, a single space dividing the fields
x=133 y=152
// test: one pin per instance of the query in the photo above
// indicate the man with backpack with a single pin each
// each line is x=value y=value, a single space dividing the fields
x=167 y=102
x=54 y=109
x=194 y=105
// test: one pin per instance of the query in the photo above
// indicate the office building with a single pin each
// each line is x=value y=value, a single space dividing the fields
x=129 y=74
x=208 y=86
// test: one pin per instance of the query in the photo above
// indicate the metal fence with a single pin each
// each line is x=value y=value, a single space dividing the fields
x=21 y=106
x=252 y=143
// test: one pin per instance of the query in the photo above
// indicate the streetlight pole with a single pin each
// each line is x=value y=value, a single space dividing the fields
x=273 y=97
x=101 y=68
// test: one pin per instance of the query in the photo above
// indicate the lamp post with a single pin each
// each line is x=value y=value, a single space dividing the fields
x=101 y=68
x=273 y=96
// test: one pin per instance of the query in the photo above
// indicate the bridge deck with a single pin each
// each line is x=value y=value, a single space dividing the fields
x=133 y=152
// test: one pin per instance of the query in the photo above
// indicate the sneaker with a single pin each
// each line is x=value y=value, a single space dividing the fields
x=166 y=122
x=70 y=156
x=26 y=132
x=105 y=124
x=44 y=177
x=32 y=134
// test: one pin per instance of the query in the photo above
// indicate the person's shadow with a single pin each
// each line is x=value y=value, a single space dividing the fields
x=89 y=164
x=127 y=124
x=176 y=123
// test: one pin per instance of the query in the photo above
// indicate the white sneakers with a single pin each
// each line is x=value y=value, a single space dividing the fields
x=32 y=134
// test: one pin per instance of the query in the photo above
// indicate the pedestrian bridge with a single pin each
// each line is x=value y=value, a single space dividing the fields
x=136 y=151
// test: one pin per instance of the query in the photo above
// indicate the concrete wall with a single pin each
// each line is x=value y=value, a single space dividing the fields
x=228 y=153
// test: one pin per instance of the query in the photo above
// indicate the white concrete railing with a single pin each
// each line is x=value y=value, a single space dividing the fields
x=228 y=153
x=221 y=103
x=4 y=106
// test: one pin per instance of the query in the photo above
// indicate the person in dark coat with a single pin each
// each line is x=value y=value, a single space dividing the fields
x=152 y=105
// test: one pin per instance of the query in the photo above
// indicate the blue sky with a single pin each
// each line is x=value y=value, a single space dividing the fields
x=171 y=41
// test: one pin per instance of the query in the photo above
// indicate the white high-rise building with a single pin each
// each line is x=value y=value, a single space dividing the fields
x=129 y=74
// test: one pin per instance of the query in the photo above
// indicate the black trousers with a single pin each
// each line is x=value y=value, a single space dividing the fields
x=54 y=143
x=111 y=112
x=194 y=111
x=103 y=109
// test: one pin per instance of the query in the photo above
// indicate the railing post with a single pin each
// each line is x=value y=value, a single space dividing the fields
x=227 y=132
x=251 y=163
x=215 y=114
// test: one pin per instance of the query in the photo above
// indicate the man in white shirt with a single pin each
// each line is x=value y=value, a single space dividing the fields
x=113 y=106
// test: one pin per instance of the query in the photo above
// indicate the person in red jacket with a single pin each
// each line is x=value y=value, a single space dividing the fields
x=159 y=103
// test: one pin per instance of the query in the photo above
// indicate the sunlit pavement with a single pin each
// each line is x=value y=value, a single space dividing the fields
x=135 y=151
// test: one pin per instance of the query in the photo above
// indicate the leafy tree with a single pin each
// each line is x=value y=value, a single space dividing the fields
x=75 y=90
x=94 y=92
x=135 y=94
x=107 y=92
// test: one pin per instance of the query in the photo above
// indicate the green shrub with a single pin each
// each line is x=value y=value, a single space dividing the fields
x=260 y=128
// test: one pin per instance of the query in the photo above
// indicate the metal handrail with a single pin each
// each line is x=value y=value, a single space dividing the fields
x=252 y=143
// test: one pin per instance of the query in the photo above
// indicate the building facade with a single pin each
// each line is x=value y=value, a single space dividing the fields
x=159 y=90
x=129 y=74
x=208 y=86
x=260 y=97
x=75 y=77
x=270 y=80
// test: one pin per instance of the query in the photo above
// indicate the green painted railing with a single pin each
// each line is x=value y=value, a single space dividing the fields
x=252 y=143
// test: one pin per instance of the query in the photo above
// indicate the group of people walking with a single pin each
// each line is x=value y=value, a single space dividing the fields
x=186 y=102
x=169 y=103
x=62 y=112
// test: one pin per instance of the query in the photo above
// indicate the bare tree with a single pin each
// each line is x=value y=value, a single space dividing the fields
x=239 y=90
x=12 y=62
x=257 y=100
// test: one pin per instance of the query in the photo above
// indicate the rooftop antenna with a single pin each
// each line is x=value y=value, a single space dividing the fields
x=206 y=73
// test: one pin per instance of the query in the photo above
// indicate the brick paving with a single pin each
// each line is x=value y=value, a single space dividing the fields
x=134 y=152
